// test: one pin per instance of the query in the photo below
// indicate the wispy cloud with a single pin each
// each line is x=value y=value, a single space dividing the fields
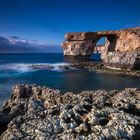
x=17 y=44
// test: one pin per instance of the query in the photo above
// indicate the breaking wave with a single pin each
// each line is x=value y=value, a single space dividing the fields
x=21 y=67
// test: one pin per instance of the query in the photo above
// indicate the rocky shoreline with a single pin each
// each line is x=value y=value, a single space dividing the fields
x=90 y=66
x=103 y=68
x=35 y=112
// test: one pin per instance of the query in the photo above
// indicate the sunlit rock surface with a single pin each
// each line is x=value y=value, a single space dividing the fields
x=84 y=44
x=35 y=112
x=126 y=60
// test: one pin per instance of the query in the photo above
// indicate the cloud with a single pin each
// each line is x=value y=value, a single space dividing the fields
x=3 y=40
x=14 y=44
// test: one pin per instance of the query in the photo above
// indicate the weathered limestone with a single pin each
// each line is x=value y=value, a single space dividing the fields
x=126 y=40
x=80 y=36
x=129 y=40
x=37 y=112
x=125 y=60
x=79 y=44
x=83 y=44
x=78 y=48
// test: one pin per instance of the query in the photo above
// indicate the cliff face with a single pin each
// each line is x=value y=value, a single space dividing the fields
x=79 y=44
x=123 y=60
x=125 y=44
x=129 y=40
x=78 y=48
x=84 y=43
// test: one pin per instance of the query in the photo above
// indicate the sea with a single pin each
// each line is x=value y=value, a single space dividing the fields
x=14 y=69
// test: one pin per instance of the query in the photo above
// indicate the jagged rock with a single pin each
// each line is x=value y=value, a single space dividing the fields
x=89 y=115
x=78 y=48
x=81 y=36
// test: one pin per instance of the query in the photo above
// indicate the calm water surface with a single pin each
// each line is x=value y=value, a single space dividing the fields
x=14 y=69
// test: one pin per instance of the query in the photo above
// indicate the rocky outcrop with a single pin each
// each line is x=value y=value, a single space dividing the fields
x=79 y=44
x=101 y=67
x=123 y=60
x=78 y=49
x=129 y=40
x=125 y=45
x=35 y=112
x=84 y=43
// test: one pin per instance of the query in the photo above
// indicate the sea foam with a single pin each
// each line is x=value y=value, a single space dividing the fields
x=28 y=67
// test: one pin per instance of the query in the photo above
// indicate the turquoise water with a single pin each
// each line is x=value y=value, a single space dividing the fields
x=14 y=69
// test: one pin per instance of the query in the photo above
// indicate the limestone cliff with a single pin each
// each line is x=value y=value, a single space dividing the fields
x=84 y=43
x=123 y=60
x=125 y=45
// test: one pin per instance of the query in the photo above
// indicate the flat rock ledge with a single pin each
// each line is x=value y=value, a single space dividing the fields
x=35 y=112
x=101 y=67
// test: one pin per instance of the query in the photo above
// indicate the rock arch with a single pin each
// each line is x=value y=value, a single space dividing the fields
x=84 y=44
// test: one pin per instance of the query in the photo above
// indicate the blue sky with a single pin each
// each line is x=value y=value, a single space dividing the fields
x=47 y=21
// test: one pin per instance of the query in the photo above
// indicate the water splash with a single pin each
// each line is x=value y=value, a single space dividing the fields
x=18 y=68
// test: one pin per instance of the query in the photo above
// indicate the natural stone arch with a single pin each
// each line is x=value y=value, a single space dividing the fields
x=109 y=44
x=101 y=41
x=83 y=44
x=100 y=46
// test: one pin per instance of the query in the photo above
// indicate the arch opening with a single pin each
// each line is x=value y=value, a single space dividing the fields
x=100 y=45
x=106 y=43
x=101 y=41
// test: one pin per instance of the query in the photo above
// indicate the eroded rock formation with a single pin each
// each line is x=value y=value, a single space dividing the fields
x=84 y=44
x=123 y=60
x=35 y=112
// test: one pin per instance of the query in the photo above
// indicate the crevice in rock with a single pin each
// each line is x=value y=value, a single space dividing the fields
x=136 y=136
x=103 y=121
x=86 y=130
x=108 y=104
x=81 y=112
x=3 y=127
x=67 y=120
x=87 y=107
x=132 y=110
